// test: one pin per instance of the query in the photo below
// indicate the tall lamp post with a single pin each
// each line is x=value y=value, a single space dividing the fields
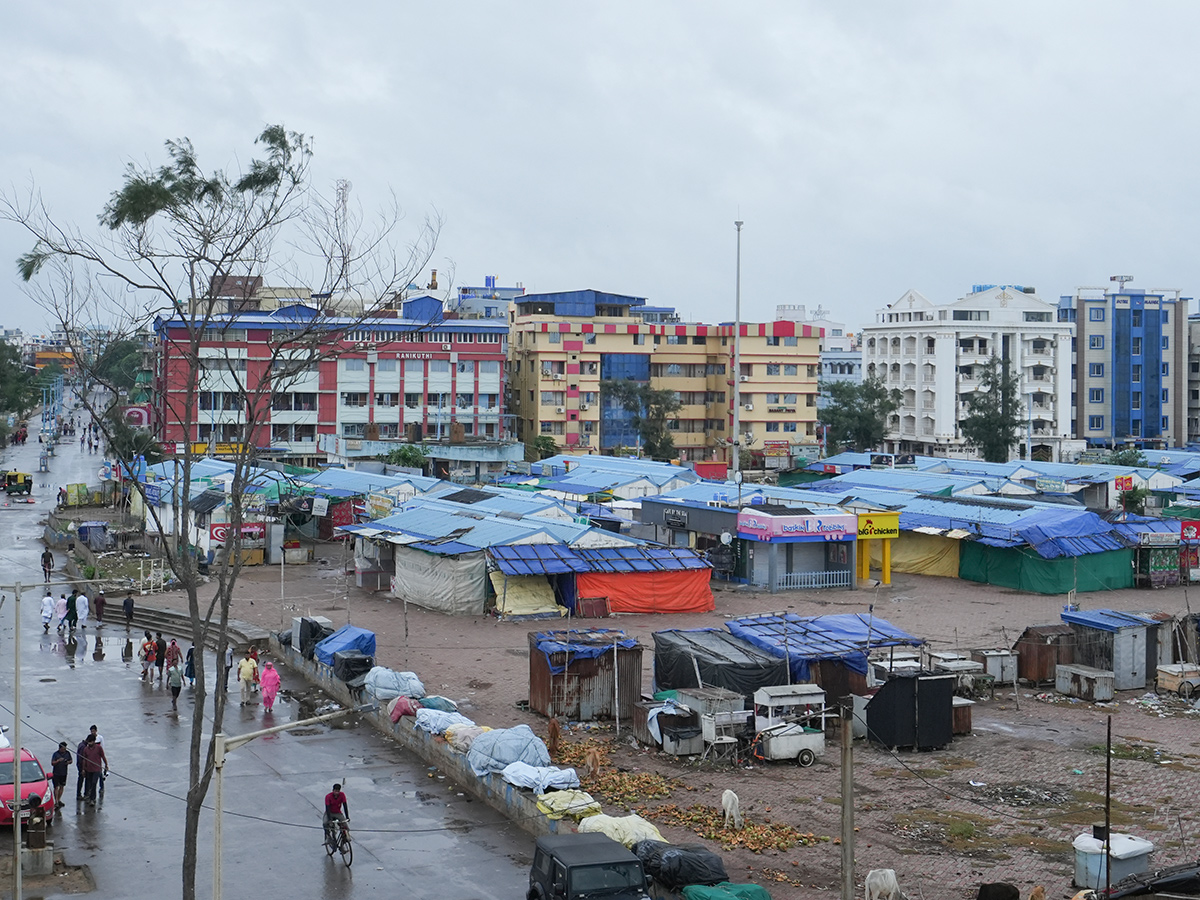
x=223 y=745
x=737 y=359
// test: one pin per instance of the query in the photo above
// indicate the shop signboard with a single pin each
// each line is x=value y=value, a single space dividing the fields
x=756 y=526
x=1046 y=484
x=878 y=525
x=251 y=531
x=1124 y=482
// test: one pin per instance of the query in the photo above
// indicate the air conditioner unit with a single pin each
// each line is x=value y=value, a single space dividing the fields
x=445 y=346
x=584 y=406
x=372 y=347
x=749 y=407
x=744 y=378
x=560 y=409
x=558 y=376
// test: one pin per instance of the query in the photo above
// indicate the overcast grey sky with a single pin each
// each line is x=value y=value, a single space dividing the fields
x=870 y=147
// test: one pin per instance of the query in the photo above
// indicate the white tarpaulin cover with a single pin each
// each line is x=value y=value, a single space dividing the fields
x=461 y=737
x=539 y=778
x=493 y=750
x=627 y=830
x=451 y=584
x=575 y=804
x=435 y=721
x=384 y=684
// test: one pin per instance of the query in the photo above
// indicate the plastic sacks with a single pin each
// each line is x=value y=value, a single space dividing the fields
x=494 y=750
x=539 y=778
x=435 y=721
x=461 y=737
x=384 y=684
x=627 y=830
x=403 y=706
x=576 y=804
x=674 y=866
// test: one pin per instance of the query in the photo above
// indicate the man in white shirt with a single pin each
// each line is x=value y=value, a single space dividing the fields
x=83 y=607
x=47 y=610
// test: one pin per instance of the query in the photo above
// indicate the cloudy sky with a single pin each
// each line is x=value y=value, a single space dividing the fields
x=870 y=147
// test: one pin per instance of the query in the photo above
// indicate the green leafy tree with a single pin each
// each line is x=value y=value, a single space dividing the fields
x=119 y=363
x=541 y=447
x=169 y=240
x=126 y=443
x=18 y=392
x=651 y=409
x=855 y=415
x=993 y=421
x=1130 y=456
x=1134 y=500
x=409 y=455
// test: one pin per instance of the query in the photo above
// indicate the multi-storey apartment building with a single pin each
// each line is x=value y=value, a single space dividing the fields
x=1131 y=365
x=562 y=346
x=841 y=355
x=933 y=354
x=414 y=373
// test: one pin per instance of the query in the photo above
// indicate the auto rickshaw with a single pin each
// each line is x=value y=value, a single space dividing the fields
x=18 y=483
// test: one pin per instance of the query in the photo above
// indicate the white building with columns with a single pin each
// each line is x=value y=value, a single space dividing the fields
x=934 y=355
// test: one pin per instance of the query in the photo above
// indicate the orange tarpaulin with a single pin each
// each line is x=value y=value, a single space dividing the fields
x=686 y=590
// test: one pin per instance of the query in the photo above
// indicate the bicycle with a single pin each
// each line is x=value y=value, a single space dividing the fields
x=339 y=841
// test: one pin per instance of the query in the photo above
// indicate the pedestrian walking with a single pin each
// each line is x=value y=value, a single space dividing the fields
x=47 y=610
x=47 y=563
x=94 y=731
x=175 y=683
x=60 y=612
x=269 y=681
x=146 y=654
x=99 y=604
x=60 y=767
x=127 y=605
x=160 y=656
x=72 y=611
x=247 y=673
x=228 y=666
x=83 y=609
x=62 y=496
x=173 y=655
x=254 y=656
x=189 y=667
x=95 y=766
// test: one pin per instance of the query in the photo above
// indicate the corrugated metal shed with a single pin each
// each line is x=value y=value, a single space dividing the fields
x=913 y=482
x=1041 y=649
x=534 y=559
x=1107 y=619
x=581 y=675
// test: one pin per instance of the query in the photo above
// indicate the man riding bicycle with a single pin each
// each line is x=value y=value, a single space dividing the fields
x=337 y=809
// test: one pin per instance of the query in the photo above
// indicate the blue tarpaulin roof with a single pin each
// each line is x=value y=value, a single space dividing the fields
x=348 y=637
x=580 y=644
x=806 y=639
x=550 y=559
x=1106 y=619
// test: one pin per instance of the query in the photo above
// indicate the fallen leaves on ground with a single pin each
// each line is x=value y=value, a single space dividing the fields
x=709 y=823
x=628 y=788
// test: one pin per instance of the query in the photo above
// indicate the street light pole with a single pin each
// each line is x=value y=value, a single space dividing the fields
x=16 y=741
x=737 y=358
x=223 y=745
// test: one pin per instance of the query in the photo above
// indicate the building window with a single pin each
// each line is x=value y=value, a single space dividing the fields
x=676 y=339
x=1096 y=370
x=1037 y=317
x=1096 y=314
x=1165 y=425
x=772 y=399
x=773 y=341
x=1095 y=423
x=1135 y=400
x=790 y=371
x=772 y=368
x=1095 y=395
x=386 y=365
x=1095 y=342
x=1164 y=396
x=385 y=399
x=492 y=367
x=1135 y=346
x=789 y=426
x=772 y=426
x=464 y=401
x=353 y=365
x=970 y=315
x=789 y=399
x=1166 y=369
x=1166 y=342
x=639 y=340
x=1135 y=373
x=1135 y=318
x=353 y=429
x=555 y=337
x=412 y=401
x=789 y=342
x=810 y=399
x=590 y=337
x=439 y=367
x=1135 y=428
x=353 y=399
x=466 y=367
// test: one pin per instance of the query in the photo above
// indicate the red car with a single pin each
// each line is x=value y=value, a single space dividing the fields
x=35 y=782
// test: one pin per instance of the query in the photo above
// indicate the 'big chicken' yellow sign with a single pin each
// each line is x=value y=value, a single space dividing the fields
x=878 y=525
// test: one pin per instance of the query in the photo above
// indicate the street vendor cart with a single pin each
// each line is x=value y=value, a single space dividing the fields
x=789 y=722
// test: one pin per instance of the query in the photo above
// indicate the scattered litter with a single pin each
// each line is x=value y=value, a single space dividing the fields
x=977 y=783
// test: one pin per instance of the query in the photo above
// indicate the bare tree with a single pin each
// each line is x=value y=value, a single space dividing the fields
x=172 y=241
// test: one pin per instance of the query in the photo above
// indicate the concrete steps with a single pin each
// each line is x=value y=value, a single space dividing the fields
x=175 y=624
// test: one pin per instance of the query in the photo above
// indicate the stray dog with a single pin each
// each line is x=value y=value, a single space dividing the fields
x=553 y=737
x=998 y=890
x=1038 y=893
x=593 y=762
x=1085 y=894
x=733 y=812
x=881 y=884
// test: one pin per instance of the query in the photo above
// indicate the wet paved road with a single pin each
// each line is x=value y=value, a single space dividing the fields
x=416 y=834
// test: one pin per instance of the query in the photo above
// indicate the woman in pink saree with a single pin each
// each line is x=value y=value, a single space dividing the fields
x=268 y=683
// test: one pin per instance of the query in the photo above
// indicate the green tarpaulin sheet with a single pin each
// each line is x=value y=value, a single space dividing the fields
x=725 y=891
x=1023 y=570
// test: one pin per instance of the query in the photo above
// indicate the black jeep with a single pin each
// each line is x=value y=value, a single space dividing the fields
x=579 y=866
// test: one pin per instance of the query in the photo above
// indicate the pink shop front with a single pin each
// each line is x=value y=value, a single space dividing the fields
x=792 y=548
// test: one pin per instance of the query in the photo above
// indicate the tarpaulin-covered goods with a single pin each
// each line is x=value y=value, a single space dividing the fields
x=674 y=866
x=539 y=778
x=451 y=584
x=627 y=830
x=576 y=804
x=348 y=637
x=402 y=706
x=725 y=891
x=920 y=554
x=524 y=596
x=1024 y=570
x=384 y=684
x=493 y=750
x=461 y=737
x=435 y=721
x=682 y=590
